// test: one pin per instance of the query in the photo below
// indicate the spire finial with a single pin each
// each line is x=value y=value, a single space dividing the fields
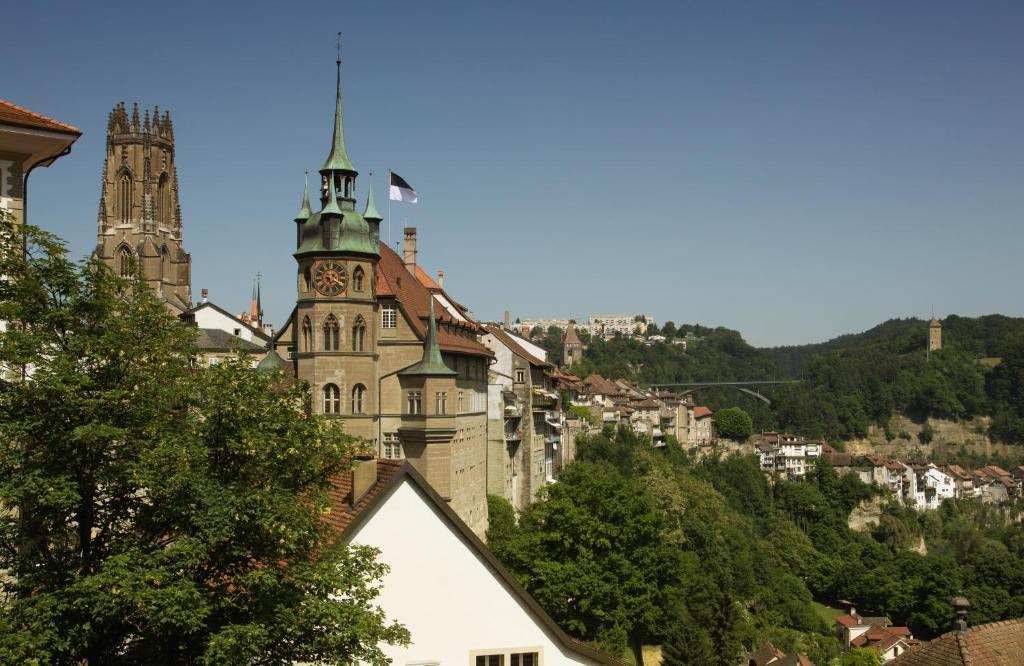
x=370 y=213
x=338 y=160
x=304 y=211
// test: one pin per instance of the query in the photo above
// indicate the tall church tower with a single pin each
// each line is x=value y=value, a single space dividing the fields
x=337 y=253
x=572 y=347
x=139 y=218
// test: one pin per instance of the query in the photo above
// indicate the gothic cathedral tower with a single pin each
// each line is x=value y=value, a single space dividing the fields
x=337 y=253
x=139 y=216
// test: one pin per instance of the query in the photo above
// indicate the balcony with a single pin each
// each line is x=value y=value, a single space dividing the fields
x=553 y=418
x=514 y=435
x=544 y=400
x=513 y=412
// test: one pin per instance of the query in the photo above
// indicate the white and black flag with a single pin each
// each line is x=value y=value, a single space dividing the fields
x=401 y=190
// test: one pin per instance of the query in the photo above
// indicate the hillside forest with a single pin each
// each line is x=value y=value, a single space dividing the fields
x=848 y=384
x=640 y=546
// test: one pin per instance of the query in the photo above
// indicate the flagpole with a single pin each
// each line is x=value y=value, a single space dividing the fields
x=389 y=207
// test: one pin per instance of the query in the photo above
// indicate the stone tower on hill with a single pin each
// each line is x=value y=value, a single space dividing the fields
x=572 y=347
x=934 y=335
x=139 y=221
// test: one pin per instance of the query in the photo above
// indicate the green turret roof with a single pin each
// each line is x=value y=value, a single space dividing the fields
x=371 y=208
x=338 y=159
x=272 y=362
x=304 y=210
x=432 y=364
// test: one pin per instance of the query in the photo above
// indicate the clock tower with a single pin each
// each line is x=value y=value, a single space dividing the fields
x=337 y=251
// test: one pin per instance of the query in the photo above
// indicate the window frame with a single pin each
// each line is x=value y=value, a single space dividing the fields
x=414 y=403
x=331 y=398
x=389 y=316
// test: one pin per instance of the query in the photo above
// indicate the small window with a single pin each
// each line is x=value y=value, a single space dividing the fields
x=490 y=660
x=442 y=403
x=414 y=402
x=307 y=335
x=520 y=376
x=523 y=659
x=357 y=279
x=359 y=334
x=460 y=402
x=392 y=446
x=238 y=331
x=305 y=279
x=388 y=317
x=332 y=399
x=331 y=333
x=358 y=399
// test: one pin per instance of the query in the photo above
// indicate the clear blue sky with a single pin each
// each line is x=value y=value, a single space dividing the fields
x=794 y=170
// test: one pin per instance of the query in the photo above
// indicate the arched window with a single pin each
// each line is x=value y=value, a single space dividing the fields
x=124 y=261
x=332 y=399
x=358 y=399
x=307 y=335
x=306 y=279
x=123 y=197
x=357 y=279
x=359 y=334
x=165 y=264
x=163 y=201
x=332 y=333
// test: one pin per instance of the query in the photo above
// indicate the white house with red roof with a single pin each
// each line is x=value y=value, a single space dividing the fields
x=458 y=602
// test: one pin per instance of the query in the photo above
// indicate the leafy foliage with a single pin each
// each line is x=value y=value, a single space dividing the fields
x=734 y=423
x=164 y=513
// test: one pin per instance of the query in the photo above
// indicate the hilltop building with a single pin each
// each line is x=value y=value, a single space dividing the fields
x=572 y=347
x=139 y=220
x=382 y=345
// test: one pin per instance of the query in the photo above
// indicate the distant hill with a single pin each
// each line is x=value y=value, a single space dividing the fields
x=982 y=337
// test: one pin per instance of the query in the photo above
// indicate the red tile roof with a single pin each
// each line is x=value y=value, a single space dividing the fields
x=996 y=644
x=12 y=114
x=846 y=620
x=701 y=412
x=512 y=341
x=425 y=279
x=395 y=280
x=342 y=512
x=766 y=654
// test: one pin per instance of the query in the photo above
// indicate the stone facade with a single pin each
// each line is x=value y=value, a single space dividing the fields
x=934 y=335
x=383 y=346
x=139 y=220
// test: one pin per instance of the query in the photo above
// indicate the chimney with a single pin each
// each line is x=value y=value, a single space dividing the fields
x=364 y=475
x=440 y=279
x=206 y=294
x=410 y=249
x=960 y=606
x=508 y=320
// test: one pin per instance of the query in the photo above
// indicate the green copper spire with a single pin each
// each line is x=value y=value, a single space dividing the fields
x=432 y=363
x=304 y=211
x=338 y=159
x=371 y=208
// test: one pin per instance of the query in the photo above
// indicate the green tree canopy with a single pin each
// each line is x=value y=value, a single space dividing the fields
x=160 y=512
x=734 y=423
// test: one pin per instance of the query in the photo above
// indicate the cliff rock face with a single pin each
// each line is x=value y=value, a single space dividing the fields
x=948 y=437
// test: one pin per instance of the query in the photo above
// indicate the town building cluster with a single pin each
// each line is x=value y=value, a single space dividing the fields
x=597 y=326
x=919 y=485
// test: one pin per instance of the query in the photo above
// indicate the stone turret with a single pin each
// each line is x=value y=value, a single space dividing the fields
x=139 y=219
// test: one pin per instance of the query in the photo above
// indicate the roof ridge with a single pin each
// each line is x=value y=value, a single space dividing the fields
x=40 y=116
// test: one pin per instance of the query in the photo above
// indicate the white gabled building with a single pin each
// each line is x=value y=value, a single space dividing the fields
x=458 y=603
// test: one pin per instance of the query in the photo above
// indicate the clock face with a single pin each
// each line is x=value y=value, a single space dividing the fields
x=329 y=278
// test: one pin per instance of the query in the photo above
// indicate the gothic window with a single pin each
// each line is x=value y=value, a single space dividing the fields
x=332 y=333
x=348 y=188
x=414 y=402
x=124 y=261
x=359 y=334
x=307 y=335
x=388 y=316
x=163 y=201
x=306 y=279
x=358 y=399
x=123 y=197
x=332 y=399
x=165 y=264
x=357 y=279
